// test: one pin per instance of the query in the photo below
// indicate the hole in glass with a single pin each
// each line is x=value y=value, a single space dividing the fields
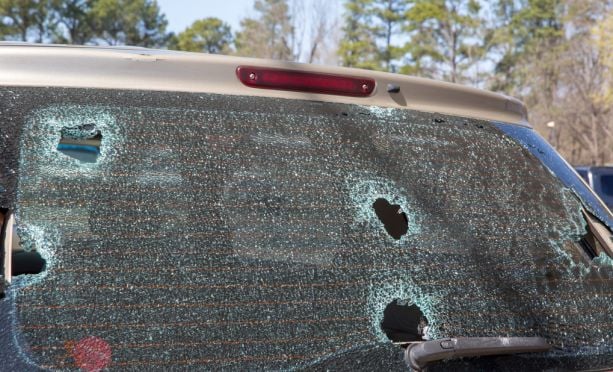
x=27 y=263
x=16 y=260
x=403 y=322
x=81 y=142
x=393 y=218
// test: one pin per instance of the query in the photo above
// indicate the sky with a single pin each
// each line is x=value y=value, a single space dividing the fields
x=181 y=13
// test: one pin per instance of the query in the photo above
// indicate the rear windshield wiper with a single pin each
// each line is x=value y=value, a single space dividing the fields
x=418 y=355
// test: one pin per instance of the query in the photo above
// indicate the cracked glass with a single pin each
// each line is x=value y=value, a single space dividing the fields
x=227 y=232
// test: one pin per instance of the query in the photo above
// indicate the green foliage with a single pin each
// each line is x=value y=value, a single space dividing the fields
x=370 y=26
x=444 y=38
x=270 y=34
x=441 y=37
x=603 y=40
x=358 y=48
x=536 y=22
x=114 y=22
x=528 y=30
x=27 y=19
x=75 y=23
x=390 y=18
x=552 y=59
x=209 y=35
x=130 y=22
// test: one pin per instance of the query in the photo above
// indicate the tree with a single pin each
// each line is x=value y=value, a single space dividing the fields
x=74 y=22
x=357 y=47
x=129 y=22
x=443 y=38
x=313 y=30
x=26 y=20
x=500 y=42
x=603 y=39
x=530 y=31
x=209 y=35
x=113 y=22
x=270 y=34
x=586 y=107
x=552 y=62
x=390 y=15
x=370 y=29
x=582 y=114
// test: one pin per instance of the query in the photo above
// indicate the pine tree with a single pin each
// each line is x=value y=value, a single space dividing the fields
x=390 y=18
x=208 y=35
x=74 y=22
x=444 y=38
x=358 y=46
x=526 y=30
x=270 y=34
x=129 y=22
x=27 y=20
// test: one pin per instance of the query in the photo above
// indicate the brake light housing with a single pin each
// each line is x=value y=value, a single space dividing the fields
x=303 y=81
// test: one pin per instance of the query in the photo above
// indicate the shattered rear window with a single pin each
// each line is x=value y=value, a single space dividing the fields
x=210 y=231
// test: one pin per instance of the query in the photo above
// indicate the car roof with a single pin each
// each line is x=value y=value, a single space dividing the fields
x=126 y=67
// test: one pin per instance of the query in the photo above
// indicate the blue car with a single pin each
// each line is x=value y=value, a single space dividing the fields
x=600 y=180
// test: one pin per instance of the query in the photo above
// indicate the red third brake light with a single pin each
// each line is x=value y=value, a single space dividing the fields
x=300 y=81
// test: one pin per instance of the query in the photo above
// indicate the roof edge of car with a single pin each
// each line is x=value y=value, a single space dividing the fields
x=136 y=68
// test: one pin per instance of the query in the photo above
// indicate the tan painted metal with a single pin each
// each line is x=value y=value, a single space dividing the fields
x=146 y=69
x=7 y=246
x=601 y=233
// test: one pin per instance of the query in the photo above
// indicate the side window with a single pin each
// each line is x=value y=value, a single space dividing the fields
x=605 y=186
x=606 y=182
